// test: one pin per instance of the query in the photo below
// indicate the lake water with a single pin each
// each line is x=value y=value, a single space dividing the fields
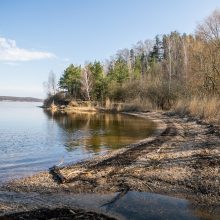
x=33 y=140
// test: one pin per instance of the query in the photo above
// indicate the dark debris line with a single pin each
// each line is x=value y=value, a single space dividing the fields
x=55 y=214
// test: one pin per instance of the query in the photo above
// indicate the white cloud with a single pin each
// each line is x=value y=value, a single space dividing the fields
x=10 y=52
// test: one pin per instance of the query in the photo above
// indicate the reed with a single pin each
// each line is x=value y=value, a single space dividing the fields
x=206 y=108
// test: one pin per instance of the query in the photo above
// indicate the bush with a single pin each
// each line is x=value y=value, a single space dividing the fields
x=57 y=99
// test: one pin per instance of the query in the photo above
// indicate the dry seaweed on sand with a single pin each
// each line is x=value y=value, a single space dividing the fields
x=55 y=214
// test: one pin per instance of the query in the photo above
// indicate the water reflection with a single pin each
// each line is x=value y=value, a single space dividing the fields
x=96 y=131
x=32 y=140
x=141 y=206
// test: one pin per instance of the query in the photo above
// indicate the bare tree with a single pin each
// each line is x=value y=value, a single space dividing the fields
x=209 y=30
x=51 y=85
x=169 y=44
x=185 y=55
x=148 y=46
x=86 y=82
x=209 y=34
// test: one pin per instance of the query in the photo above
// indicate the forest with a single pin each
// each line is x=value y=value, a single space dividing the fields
x=173 y=71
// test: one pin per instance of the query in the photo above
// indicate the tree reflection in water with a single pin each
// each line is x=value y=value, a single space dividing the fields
x=97 y=131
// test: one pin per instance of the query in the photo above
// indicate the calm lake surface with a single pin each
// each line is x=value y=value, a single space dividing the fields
x=33 y=140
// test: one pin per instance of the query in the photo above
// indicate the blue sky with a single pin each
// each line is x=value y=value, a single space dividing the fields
x=37 y=36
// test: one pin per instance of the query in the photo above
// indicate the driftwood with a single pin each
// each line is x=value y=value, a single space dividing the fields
x=117 y=197
x=55 y=172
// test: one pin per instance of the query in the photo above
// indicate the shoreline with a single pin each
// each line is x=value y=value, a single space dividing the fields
x=181 y=159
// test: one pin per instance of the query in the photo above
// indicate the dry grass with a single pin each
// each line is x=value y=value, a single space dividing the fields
x=129 y=106
x=80 y=109
x=206 y=108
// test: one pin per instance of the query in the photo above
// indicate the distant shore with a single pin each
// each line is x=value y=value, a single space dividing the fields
x=19 y=99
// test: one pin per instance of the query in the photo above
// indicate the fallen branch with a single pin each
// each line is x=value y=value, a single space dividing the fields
x=117 y=197
x=57 y=174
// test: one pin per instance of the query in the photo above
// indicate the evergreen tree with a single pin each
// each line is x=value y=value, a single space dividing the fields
x=70 y=80
x=120 y=71
x=157 y=54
